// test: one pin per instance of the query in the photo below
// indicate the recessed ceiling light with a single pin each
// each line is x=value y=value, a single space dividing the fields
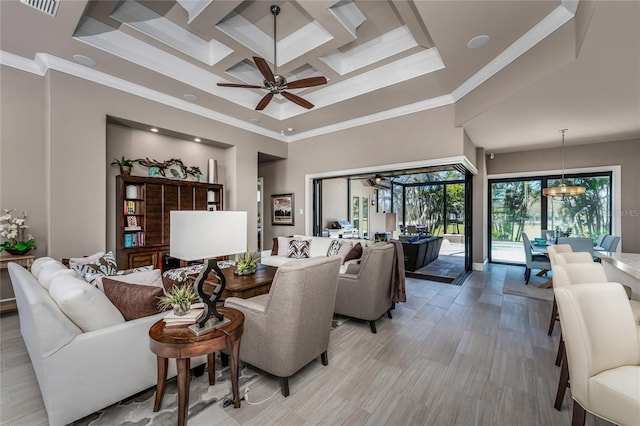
x=478 y=42
x=190 y=97
x=289 y=129
x=154 y=130
x=197 y=139
x=84 y=60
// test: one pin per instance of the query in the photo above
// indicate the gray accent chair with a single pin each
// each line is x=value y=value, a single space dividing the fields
x=610 y=242
x=578 y=244
x=289 y=327
x=364 y=291
x=533 y=261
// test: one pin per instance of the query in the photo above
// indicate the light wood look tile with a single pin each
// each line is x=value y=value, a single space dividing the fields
x=452 y=355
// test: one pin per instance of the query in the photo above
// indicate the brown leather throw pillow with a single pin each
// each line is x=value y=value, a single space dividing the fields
x=274 y=250
x=133 y=300
x=355 y=253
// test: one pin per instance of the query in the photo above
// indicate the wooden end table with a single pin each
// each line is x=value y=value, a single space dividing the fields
x=243 y=286
x=180 y=343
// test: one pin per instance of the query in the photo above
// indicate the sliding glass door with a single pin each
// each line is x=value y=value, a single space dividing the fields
x=517 y=206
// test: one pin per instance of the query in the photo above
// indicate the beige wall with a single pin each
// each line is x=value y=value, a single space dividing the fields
x=334 y=200
x=626 y=154
x=54 y=138
x=417 y=137
x=479 y=220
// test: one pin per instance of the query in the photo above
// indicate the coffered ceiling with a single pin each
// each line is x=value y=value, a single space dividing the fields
x=382 y=59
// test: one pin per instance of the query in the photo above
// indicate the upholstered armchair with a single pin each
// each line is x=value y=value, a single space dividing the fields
x=364 y=291
x=289 y=327
x=603 y=352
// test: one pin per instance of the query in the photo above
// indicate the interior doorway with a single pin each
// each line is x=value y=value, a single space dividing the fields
x=260 y=214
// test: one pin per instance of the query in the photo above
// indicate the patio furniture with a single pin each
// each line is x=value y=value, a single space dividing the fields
x=421 y=252
x=533 y=261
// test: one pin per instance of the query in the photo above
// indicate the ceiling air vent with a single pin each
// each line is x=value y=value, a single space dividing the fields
x=50 y=7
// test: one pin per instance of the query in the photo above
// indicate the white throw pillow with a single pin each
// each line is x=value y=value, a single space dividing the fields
x=283 y=245
x=40 y=263
x=150 y=278
x=84 y=260
x=84 y=304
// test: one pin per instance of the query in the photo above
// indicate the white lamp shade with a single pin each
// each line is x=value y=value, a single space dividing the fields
x=204 y=234
x=390 y=222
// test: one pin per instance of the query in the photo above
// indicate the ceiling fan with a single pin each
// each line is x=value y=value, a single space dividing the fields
x=276 y=83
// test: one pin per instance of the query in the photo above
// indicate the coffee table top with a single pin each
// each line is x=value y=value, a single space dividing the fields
x=240 y=284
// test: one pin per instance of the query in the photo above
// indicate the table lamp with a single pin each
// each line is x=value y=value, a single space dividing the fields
x=206 y=235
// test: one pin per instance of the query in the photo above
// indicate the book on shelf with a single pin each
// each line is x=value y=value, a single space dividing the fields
x=133 y=228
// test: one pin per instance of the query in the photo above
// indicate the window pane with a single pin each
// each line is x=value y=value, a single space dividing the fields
x=355 y=216
x=515 y=208
x=424 y=206
x=455 y=208
x=397 y=200
x=584 y=216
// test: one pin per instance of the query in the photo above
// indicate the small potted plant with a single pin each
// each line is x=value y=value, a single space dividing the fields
x=178 y=298
x=247 y=264
x=13 y=228
x=125 y=165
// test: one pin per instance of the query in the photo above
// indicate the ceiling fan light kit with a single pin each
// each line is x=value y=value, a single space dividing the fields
x=563 y=191
x=275 y=83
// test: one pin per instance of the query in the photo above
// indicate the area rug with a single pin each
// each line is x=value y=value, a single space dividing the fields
x=138 y=409
x=514 y=284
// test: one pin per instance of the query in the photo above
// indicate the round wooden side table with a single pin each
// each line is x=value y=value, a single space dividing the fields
x=180 y=343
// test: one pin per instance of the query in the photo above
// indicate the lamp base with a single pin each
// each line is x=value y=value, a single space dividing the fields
x=208 y=326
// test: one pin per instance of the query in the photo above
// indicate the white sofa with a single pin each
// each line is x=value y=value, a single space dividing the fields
x=318 y=247
x=80 y=372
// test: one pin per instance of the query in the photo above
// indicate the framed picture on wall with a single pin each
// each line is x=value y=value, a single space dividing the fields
x=282 y=209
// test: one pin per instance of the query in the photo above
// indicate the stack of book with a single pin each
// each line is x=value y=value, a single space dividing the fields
x=172 y=319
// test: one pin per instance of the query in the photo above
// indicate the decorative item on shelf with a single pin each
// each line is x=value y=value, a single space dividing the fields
x=247 y=264
x=563 y=191
x=212 y=171
x=125 y=165
x=131 y=191
x=206 y=235
x=13 y=228
x=178 y=298
x=195 y=172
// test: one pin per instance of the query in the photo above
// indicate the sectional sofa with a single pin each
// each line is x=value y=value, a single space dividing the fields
x=86 y=356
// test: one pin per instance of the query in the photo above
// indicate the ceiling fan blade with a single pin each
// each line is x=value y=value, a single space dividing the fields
x=297 y=100
x=264 y=101
x=306 y=82
x=263 y=66
x=246 y=86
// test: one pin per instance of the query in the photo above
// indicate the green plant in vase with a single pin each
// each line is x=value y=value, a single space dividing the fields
x=125 y=165
x=247 y=264
x=13 y=228
x=178 y=298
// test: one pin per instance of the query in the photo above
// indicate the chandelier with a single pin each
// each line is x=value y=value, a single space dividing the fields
x=563 y=191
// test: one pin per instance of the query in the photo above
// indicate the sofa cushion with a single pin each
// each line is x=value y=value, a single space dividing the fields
x=104 y=265
x=345 y=248
x=84 y=304
x=151 y=277
x=299 y=249
x=334 y=247
x=52 y=271
x=133 y=300
x=40 y=263
x=84 y=260
x=354 y=253
x=283 y=245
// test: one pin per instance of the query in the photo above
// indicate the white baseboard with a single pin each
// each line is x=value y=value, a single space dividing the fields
x=477 y=266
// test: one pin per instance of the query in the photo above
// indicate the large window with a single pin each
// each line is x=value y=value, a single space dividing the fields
x=517 y=205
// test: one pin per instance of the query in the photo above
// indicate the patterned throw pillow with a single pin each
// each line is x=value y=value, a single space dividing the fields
x=299 y=249
x=334 y=247
x=103 y=266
